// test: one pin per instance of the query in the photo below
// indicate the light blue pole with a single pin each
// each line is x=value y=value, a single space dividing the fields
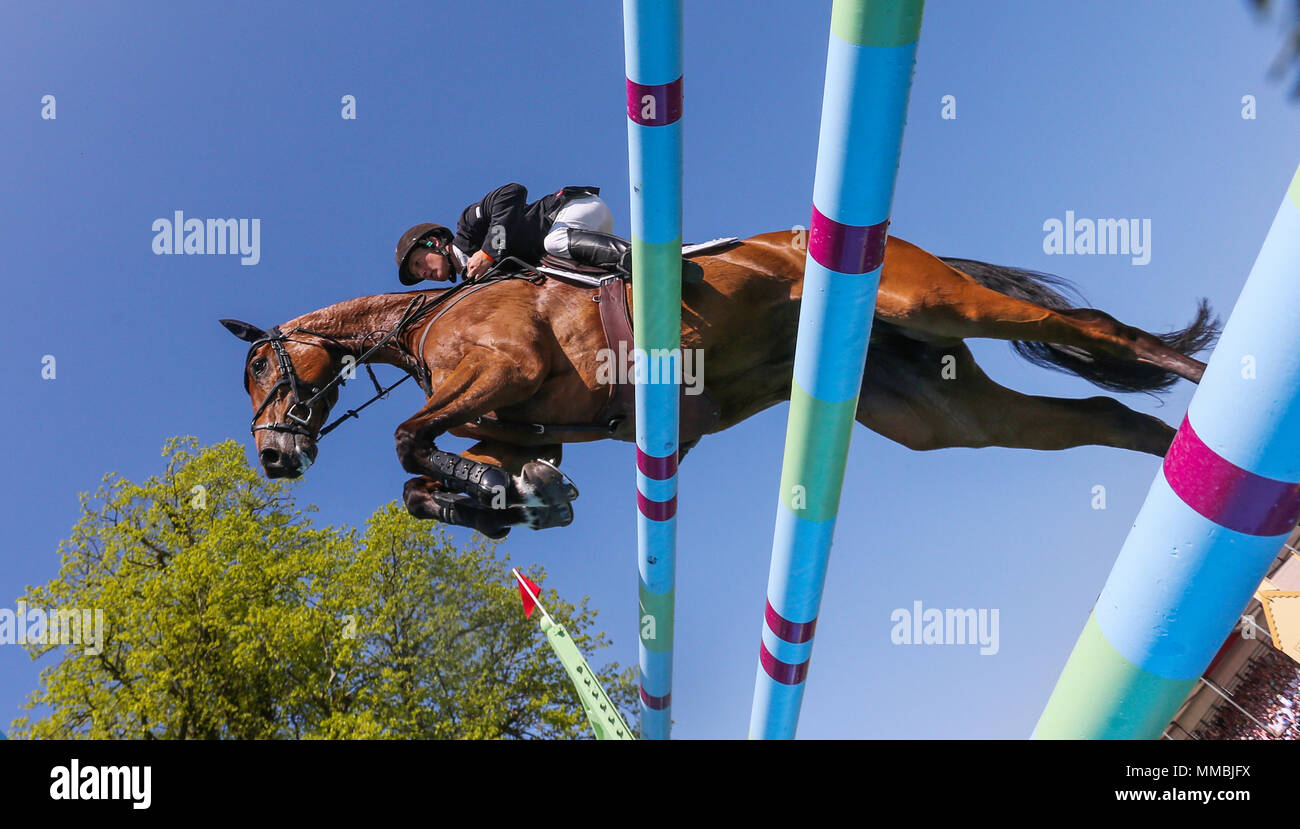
x=1224 y=500
x=868 y=79
x=652 y=35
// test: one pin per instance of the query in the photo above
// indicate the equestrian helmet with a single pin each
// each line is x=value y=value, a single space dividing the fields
x=417 y=236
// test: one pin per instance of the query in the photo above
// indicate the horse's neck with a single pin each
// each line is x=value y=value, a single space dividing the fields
x=360 y=323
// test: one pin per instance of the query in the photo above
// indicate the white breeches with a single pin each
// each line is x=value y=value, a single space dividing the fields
x=588 y=213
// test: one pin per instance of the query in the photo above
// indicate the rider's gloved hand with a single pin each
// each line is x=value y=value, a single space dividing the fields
x=478 y=265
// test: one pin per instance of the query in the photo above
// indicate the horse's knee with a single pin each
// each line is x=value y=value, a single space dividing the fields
x=417 y=495
x=488 y=483
x=405 y=440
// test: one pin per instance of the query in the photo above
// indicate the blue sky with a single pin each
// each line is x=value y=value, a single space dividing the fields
x=1109 y=109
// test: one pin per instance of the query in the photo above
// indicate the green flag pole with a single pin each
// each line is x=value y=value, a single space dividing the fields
x=601 y=712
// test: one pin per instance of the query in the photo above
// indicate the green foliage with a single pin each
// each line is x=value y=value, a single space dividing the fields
x=228 y=614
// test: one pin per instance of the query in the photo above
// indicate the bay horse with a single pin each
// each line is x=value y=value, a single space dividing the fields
x=527 y=351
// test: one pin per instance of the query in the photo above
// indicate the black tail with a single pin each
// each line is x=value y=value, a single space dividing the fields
x=1101 y=370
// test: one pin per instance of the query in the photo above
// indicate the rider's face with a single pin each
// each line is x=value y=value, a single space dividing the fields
x=429 y=264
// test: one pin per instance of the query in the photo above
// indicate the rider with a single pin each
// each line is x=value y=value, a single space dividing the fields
x=573 y=223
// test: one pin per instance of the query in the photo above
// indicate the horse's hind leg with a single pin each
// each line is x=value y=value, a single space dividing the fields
x=917 y=399
x=922 y=293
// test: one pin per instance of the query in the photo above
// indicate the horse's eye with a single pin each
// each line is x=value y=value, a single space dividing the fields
x=259 y=365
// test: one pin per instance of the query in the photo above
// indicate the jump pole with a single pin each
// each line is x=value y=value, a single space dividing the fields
x=1224 y=500
x=869 y=67
x=652 y=40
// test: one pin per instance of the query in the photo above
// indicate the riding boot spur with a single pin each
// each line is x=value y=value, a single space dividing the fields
x=481 y=481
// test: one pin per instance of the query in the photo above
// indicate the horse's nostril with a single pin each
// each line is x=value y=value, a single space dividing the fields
x=270 y=457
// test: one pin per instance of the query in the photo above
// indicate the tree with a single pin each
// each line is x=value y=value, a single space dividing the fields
x=228 y=614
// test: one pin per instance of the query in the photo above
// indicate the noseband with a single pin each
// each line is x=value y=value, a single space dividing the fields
x=300 y=411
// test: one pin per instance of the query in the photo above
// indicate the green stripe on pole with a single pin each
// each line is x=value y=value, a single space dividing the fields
x=816 y=454
x=883 y=25
x=657 y=330
x=659 y=606
x=1076 y=711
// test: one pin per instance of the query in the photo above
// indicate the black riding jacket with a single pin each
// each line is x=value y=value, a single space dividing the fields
x=522 y=226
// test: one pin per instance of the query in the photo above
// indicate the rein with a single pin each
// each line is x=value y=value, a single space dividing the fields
x=419 y=307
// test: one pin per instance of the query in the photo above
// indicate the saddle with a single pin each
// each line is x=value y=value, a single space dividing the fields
x=617 y=417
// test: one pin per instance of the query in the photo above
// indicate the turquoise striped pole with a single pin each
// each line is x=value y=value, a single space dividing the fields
x=868 y=79
x=1223 y=502
x=652 y=38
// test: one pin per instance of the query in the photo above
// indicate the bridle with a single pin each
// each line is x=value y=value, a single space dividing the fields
x=300 y=410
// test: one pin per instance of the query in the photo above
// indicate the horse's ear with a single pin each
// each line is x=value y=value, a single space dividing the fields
x=245 y=331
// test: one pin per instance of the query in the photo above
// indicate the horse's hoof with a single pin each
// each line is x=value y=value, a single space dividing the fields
x=544 y=518
x=562 y=515
x=421 y=500
x=540 y=483
x=567 y=487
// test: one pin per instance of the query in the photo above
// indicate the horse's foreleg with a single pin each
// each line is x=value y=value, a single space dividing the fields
x=535 y=477
x=427 y=499
x=924 y=402
x=482 y=382
x=542 y=493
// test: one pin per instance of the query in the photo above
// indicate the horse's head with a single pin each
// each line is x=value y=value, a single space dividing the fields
x=291 y=380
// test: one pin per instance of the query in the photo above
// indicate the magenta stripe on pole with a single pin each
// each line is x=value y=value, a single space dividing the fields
x=668 y=103
x=782 y=672
x=846 y=248
x=793 y=632
x=656 y=510
x=1224 y=492
x=656 y=469
x=656 y=703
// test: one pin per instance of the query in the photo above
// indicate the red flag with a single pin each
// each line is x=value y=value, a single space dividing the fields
x=529 y=602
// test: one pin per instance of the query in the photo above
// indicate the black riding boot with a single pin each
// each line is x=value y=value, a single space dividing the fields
x=603 y=250
x=592 y=247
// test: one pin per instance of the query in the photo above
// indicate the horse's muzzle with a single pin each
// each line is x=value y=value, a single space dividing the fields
x=286 y=461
